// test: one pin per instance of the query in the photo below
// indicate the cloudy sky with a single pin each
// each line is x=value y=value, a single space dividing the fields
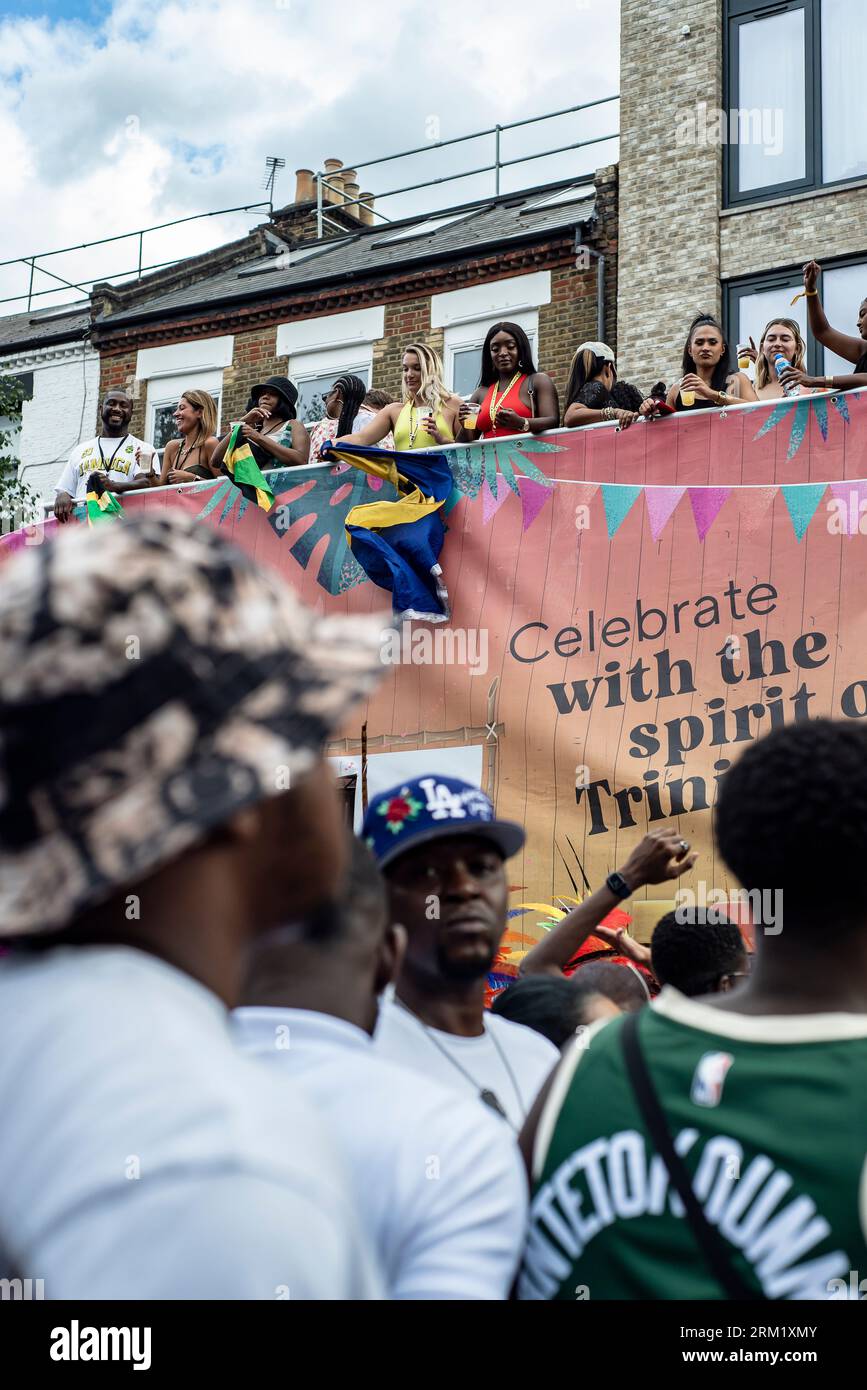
x=119 y=114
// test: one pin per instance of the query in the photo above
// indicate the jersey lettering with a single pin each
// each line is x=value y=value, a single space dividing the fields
x=570 y=1209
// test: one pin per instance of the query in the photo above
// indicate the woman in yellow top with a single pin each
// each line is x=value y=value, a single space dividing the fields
x=426 y=416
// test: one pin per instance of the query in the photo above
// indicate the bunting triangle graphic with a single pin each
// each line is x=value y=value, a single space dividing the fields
x=754 y=503
x=533 y=498
x=491 y=504
x=802 y=500
x=619 y=498
x=583 y=492
x=661 y=502
x=706 y=503
x=853 y=498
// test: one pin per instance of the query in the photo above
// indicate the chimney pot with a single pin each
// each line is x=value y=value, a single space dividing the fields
x=352 y=190
x=366 y=209
x=304 y=192
x=330 y=168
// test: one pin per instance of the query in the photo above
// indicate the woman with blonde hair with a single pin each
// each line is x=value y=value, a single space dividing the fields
x=188 y=459
x=426 y=415
x=781 y=336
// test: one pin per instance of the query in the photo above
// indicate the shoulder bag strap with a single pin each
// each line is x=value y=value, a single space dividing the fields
x=708 y=1238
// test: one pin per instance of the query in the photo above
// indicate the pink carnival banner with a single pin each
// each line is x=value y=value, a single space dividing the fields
x=629 y=610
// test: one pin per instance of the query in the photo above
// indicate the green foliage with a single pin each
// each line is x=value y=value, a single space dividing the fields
x=18 y=503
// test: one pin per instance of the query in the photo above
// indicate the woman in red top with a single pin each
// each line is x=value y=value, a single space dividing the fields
x=512 y=397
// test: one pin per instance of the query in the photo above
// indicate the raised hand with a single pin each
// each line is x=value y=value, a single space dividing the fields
x=661 y=855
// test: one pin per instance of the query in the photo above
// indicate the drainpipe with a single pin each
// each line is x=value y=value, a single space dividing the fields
x=600 y=296
x=600 y=284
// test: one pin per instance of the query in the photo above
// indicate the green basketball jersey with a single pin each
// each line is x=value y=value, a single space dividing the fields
x=770 y=1118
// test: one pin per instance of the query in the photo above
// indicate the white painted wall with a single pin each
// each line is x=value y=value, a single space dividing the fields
x=62 y=412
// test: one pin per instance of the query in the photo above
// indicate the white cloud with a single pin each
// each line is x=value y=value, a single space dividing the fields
x=170 y=109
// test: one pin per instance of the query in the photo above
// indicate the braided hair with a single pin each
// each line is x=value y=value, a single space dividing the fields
x=352 y=392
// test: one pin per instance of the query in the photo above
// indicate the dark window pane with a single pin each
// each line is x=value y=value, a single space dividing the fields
x=466 y=371
x=312 y=393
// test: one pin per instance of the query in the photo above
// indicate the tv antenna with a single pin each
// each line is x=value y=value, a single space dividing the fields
x=272 y=164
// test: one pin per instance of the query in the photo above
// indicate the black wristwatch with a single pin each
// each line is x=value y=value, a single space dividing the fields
x=618 y=885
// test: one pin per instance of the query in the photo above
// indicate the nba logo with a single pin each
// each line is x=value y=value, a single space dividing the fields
x=709 y=1079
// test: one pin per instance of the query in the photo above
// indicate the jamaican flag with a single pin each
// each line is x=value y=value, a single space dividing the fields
x=240 y=464
x=101 y=504
x=398 y=543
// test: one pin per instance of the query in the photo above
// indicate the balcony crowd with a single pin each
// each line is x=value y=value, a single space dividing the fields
x=512 y=397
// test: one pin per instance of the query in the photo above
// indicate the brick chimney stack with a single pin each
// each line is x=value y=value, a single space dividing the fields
x=297 y=222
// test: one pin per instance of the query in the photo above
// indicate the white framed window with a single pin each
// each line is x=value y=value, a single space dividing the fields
x=463 y=348
x=466 y=315
x=163 y=395
x=313 y=389
x=171 y=370
x=322 y=349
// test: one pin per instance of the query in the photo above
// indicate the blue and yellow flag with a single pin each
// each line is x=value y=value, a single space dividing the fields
x=398 y=543
x=240 y=464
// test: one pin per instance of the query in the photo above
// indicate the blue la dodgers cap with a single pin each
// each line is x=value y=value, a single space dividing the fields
x=430 y=808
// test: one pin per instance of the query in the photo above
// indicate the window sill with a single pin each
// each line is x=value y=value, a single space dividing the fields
x=827 y=191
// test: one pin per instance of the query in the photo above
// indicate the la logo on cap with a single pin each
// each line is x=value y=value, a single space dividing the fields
x=444 y=804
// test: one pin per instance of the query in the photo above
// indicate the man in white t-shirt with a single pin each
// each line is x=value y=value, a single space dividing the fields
x=145 y=841
x=438 y=1182
x=125 y=463
x=443 y=853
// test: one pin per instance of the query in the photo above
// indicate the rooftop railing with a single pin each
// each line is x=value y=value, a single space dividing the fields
x=34 y=265
x=499 y=164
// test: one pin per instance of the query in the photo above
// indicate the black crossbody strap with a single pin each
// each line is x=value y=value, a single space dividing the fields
x=709 y=1239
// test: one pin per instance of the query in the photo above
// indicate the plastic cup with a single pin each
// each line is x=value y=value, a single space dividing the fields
x=687 y=398
x=743 y=360
x=470 y=421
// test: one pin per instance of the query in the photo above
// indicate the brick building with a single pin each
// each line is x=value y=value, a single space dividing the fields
x=742 y=155
x=283 y=302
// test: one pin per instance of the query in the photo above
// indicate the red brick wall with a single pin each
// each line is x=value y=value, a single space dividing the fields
x=568 y=320
x=255 y=359
x=118 y=371
x=407 y=322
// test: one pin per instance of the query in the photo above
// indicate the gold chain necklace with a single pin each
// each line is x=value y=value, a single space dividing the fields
x=495 y=404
